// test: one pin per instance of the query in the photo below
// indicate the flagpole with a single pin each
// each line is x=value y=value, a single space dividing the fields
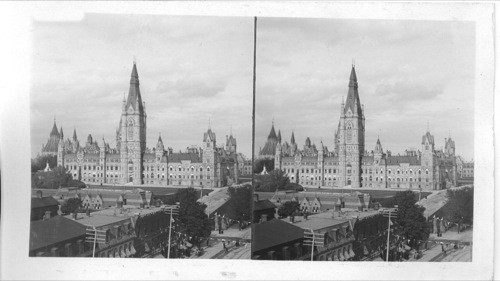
x=253 y=93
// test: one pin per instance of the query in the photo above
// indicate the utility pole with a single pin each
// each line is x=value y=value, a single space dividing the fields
x=388 y=235
x=95 y=240
x=169 y=233
x=389 y=223
x=170 y=230
x=312 y=246
x=93 y=236
x=310 y=237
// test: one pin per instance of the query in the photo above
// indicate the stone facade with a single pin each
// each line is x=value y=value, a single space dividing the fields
x=132 y=162
x=349 y=164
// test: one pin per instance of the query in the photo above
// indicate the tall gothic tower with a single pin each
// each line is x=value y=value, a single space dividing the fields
x=132 y=133
x=351 y=134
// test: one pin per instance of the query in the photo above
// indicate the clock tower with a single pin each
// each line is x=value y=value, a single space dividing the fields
x=351 y=136
x=131 y=135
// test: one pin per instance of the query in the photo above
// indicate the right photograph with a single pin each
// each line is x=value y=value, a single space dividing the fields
x=364 y=140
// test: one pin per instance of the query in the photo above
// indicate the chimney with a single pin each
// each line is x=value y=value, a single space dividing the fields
x=39 y=194
x=264 y=217
x=255 y=197
x=47 y=215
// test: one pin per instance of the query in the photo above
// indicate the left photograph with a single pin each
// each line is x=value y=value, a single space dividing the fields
x=141 y=137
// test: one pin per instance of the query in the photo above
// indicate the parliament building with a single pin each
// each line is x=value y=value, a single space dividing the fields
x=131 y=162
x=350 y=164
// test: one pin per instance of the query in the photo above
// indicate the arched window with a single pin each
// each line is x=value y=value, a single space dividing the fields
x=180 y=169
x=348 y=132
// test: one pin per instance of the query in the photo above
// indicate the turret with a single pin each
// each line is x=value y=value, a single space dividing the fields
x=277 y=157
x=160 y=149
x=378 y=152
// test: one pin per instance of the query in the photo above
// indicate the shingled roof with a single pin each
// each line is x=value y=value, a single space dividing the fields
x=396 y=160
x=178 y=157
x=55 y=230
x=274 y=233
x=43 y=202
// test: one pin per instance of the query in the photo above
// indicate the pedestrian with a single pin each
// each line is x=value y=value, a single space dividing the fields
x=442 y=248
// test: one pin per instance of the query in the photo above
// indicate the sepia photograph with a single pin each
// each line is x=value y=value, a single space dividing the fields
x=366 y=140
x=140 y=132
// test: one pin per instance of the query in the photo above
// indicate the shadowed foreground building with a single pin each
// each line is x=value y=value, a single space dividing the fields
x=132 y=162
x=350 y=164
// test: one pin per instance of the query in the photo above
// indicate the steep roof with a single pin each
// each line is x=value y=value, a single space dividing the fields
x=134 y=95
x=274 y=233
x=272 y=134
x=269 y=147
x=43 y=202
x=429 y=137
x=263 y=205
x=55 y=230
x=231 y=141
x=178 y=157
x=396 y=160
x=353 y=101
x=54 y=131
x=209 y=134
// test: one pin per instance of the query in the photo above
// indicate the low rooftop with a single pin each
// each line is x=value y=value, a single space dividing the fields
x=330 y=218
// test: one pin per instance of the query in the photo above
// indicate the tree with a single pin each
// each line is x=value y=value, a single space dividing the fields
x=460 y=206
x=259 y=165
x=71 y=205
x=40 y=162
x=58 y=177
x=276 y=179
x=410 y=221
x=192 y=220
x=288 y=209
x=240 y=202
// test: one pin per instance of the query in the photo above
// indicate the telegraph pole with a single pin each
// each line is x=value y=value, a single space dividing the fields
x=169 y=233
x=388 y=234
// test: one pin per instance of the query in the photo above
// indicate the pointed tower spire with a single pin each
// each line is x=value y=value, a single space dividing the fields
x=209 y=124
x=159 y=138
x=272 y=133
x=61 y=134
x=134 y=95
x=74 y=134
x=55 y=131
x=353 y=101
x=292 y=139
x=279 y=135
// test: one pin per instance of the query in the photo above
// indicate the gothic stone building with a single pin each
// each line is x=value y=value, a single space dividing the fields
x=132 y=162
x=349 y=164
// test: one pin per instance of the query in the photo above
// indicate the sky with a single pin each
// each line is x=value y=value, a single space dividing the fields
x=191 y=70
x=195 y=68
x=410 y=74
